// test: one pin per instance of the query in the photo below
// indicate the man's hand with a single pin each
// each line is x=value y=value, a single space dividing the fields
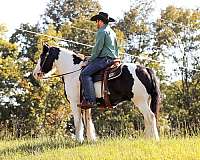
x=85 y=63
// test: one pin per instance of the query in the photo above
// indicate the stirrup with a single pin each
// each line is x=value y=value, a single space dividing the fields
x=86 y=105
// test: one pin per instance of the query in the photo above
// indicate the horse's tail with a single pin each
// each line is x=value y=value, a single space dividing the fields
x=155 y=93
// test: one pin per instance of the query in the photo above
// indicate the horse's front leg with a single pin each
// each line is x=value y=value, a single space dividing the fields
x=78 y=123
x=90 y=130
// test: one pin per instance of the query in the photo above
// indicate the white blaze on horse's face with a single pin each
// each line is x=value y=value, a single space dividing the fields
x=46 y=63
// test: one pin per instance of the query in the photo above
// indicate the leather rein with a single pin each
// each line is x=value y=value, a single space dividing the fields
x=60 y=75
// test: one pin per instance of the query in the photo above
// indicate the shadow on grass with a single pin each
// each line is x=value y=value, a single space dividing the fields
x=39 y=146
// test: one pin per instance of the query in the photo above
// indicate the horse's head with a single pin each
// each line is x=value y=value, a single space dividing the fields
x=46 y=62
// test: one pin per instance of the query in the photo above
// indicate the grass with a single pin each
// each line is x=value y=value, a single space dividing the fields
x=105 y=149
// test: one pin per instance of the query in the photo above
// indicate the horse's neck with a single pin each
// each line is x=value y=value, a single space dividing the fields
x=66 y=65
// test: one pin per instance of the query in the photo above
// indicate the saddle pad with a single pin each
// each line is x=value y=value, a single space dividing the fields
x=112 y=75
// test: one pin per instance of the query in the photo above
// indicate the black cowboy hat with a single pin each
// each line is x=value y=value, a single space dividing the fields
x=102 y=16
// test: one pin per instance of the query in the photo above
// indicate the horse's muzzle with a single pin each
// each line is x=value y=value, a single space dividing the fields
x=38 y=75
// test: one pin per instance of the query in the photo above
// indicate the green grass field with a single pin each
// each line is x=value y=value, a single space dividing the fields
x=107 y=149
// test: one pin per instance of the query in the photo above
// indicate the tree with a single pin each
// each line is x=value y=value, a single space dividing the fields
x=60 y=12
x=27 y=41
x=86 y=36
x=6 y=48
x=33 y=113
x=9 y=75
x=178 y=36
x=135 y=26
x=140 y=34
x=26 y=108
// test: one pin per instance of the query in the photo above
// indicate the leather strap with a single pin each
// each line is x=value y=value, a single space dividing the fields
x=106 y=96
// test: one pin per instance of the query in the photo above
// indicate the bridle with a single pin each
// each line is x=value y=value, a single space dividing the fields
x=60 y=75
x=42 y=65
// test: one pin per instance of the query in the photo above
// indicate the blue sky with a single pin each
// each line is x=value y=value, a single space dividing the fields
x=14 y=12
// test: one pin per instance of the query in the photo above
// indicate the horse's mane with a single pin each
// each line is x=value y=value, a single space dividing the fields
x=81 y=56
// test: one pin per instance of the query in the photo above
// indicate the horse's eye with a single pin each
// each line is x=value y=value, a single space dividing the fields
x=42 y=55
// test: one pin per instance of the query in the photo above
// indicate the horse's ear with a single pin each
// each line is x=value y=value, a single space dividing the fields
x=45 y=48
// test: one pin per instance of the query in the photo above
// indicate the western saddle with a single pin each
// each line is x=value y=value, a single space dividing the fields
x=111 y=72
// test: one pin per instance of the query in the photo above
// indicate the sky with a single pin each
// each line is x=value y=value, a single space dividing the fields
x=15 y=12
x=116 y=7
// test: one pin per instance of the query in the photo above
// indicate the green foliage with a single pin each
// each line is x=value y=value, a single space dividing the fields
x=87 y=36
x=6 y=48
x=178 y=29
x=178 y=26
x=67 y=15
x=26 y=41
x=123 y=120
x=59 y=12
x=25 y=105
x=139 y=35
x=135 y=27
x=181 y=117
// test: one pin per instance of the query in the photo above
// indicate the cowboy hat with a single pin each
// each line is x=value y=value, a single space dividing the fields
x=102 y=16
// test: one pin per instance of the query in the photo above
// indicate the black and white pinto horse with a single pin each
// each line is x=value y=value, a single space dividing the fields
x=136 y=83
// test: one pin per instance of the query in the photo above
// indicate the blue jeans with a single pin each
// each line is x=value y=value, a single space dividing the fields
x=86 y=77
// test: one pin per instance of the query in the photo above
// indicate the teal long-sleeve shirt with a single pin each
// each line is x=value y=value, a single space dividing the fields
x=106 y=44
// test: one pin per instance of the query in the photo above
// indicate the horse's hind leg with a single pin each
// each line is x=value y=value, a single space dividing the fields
x=149 y=118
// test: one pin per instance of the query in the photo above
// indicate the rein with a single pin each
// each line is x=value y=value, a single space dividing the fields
x=60 y=75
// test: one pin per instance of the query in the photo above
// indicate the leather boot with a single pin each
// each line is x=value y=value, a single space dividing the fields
x=87 y=105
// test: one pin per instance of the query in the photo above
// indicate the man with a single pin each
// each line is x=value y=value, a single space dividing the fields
x=103 y=54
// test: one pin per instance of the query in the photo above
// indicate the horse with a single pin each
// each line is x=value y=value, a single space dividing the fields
x=136 y=83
